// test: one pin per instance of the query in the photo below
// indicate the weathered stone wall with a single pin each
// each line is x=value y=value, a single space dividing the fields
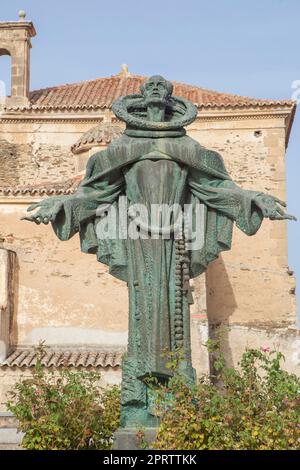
x=26 y=164
x=11 y=158
x=36 y=153
x=235 y=339
x=65 y=296
x=251 y=284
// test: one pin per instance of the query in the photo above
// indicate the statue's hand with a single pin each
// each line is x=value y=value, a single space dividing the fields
x=48 y=210
x=271 y=207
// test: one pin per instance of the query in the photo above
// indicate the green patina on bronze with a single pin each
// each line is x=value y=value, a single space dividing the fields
x=155 y=162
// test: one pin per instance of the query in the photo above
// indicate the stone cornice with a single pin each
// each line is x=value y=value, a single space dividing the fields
x=26 y=200
x=286 y=114
x=13 y=25
x=240 y=113
x=32 y=116
x=14 y=119
x=91 y=114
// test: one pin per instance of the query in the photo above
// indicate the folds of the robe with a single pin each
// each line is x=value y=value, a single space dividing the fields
x=208 y=184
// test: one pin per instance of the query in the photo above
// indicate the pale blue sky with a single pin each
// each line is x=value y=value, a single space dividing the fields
x=236 y=46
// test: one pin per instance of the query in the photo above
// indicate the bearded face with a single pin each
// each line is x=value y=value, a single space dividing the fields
x=156 y=90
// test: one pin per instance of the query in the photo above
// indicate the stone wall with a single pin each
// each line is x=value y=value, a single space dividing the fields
x=26 y=164
x=38 y=152
x=65 y=296
x=252 y=284
x=235 y=339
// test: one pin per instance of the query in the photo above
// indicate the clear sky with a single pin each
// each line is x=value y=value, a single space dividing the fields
x=250 y=48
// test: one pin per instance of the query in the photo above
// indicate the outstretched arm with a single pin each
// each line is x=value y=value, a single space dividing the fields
x=72 y=213
x=247 y=208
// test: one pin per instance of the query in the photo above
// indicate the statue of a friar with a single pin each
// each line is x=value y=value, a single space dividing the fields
x=154 y=164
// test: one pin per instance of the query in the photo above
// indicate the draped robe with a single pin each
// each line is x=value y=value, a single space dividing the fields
x=155 y=170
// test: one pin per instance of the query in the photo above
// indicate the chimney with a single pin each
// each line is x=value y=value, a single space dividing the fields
x=15 y=41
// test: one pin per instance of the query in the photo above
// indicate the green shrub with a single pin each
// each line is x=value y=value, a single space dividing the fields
x=65 y=410
x=256 y=407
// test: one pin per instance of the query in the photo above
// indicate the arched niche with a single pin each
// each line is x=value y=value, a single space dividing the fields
x=5 y=73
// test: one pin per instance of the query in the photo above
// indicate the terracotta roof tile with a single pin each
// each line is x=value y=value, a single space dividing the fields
x=102 y=92
x=46 y=189
x=22 y=358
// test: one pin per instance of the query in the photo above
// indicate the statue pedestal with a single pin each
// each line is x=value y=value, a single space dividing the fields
x=129 y=438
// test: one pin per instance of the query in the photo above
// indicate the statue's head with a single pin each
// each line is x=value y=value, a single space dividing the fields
x=155 y=111
x=156 y=90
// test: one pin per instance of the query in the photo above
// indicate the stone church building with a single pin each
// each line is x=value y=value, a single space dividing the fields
x=51 y=291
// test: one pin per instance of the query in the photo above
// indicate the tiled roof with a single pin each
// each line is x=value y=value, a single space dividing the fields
x=64 y=358
x=102 y=92
x=46 y=189
x=103 y=133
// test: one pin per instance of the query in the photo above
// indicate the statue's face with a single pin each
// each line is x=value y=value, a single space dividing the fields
x=156 y=90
